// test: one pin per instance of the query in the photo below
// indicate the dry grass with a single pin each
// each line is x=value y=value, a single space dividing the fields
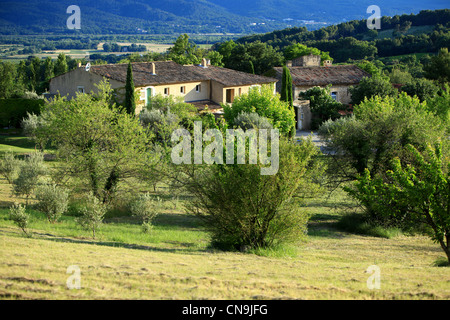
x=325 y=269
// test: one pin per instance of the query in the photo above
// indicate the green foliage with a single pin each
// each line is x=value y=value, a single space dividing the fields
x=243 y=208
x=400 y=77
x=256 y=57
x=185 y=112
x=185 y=52
x=378 y=132
x=18 y=214
x=146 y=208
x=417 y=191
x=97 y=143
x=9 y=167
x=52 y=200
x=12 y=111
x=424 y=89
x=130 y=97
x=266 y=104
x=371 y=87
x=323 y=106
x=160 y=124
x=439 y=67
x=439 y=105
x=31 y=171
x=31 y=125
x=92 y=214
x=369 y=67
x=297 y=50
x=7 y=80
x=61 y=65
x=248 y=121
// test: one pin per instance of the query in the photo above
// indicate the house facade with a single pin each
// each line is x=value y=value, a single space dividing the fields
x=307 y=72
x=200 y=85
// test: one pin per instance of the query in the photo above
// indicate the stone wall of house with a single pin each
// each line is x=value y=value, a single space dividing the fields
x=342 y=93
x=77 y=80
x=307 y=61
x=304 y=115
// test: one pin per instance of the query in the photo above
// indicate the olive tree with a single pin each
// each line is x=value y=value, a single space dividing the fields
x=242 y=208
x=98 y=143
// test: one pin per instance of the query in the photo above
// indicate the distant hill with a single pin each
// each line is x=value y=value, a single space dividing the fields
x=192 y=16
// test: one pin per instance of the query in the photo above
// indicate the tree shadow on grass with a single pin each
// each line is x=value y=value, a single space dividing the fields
x=188 y=247
x=324 y=225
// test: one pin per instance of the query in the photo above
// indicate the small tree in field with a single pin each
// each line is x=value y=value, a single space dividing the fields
x=31 y=171
x=9 y=167
x=53 y=201
x=18 y=214
x=92 y=214
x=242 y=208
x=146 y=208
x=418 y=192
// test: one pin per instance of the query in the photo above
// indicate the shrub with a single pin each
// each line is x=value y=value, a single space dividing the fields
x=146 y=208
x=9 y=167
x=53 y=201
x=263 y=102
x=251 y=120
x=92 y=214
x=18 y=214
x=244 y=209
x=12 y=111
x=31 y=170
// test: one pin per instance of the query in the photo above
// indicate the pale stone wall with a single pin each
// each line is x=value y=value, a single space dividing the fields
x=68 y=84
x=342 y=93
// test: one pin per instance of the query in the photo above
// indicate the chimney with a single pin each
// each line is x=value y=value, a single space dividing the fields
x=204 y=63
x=289 y=63
x=327 y=63
x=153 y=69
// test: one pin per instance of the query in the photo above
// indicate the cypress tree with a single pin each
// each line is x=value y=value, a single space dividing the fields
x=286 y=87
x=130 y=102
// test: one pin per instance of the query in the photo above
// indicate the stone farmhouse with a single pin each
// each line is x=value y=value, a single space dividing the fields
x=307 y=72
x=202 y=85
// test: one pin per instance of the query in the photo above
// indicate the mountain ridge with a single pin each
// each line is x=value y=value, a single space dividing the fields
x=191 y=16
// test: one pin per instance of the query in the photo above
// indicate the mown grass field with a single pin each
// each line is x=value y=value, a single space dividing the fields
x=174 y=261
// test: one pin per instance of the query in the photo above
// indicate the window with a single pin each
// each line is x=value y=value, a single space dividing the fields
x=334 y=95
x=198 y=88
x=166 y=91
x=183 y=89
x=80 y=89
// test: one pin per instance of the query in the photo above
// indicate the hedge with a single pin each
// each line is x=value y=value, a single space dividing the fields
x=12 y=111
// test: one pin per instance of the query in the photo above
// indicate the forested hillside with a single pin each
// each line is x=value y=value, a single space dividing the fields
x=425 y=32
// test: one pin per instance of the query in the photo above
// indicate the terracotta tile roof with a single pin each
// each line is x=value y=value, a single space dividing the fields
x=229 y=77
x=168 y=72
x=321 y=76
